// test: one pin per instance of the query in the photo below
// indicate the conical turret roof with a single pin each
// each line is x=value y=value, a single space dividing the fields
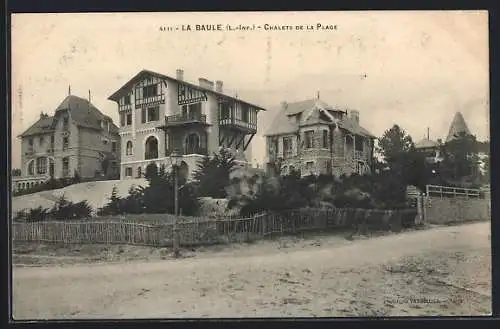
x=457 y=127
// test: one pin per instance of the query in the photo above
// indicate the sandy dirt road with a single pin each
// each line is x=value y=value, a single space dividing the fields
x=441 y=271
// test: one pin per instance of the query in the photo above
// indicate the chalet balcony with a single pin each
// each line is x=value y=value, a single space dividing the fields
x=250 y=127
x=150 y=101
x=125 y=107
x=183 y=119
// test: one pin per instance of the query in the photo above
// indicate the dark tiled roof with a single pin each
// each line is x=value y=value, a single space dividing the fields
x=310 y=111
x=84 y=113
x=115 y=96
x=43 y=125
x=426 y=143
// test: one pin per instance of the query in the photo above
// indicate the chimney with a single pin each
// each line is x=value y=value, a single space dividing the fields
x=205 y=83
x=355 y=115
x=218 y=86
x=179 y=74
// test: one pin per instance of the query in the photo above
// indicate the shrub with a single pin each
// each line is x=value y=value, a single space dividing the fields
x=113 y=207
x=33 y=215
x=64 y=209
x=134 y=202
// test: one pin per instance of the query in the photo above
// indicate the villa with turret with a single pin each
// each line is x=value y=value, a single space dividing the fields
x=313 y=137
x=160 y=114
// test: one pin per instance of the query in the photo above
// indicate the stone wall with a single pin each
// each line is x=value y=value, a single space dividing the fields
x=453 y=210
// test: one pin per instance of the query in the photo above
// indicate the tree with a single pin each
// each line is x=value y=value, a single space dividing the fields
x=460 y=159
x=158 y=197
x=394 y=146
x=213 y=174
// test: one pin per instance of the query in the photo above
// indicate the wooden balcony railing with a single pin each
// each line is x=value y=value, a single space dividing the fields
x=124 y=107
x=238 y=123
x=154 y=100
x=183 y=119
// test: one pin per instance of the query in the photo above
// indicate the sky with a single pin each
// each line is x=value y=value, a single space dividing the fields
x=414 y=69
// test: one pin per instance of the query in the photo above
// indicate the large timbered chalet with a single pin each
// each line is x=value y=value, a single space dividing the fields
x=160 y=114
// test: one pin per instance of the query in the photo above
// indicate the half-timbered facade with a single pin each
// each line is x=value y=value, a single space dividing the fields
x=314 y=138
x=160 y=114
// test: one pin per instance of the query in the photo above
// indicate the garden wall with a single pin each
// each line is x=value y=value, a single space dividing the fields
x=456 y=209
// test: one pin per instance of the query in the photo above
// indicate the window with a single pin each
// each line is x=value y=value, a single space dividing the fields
x=65 y=142
x=195 y=111
x=309 y=139
x=225 y=111
x=52 y=140
x=113 y=146
x=325 y=139
x=128 y=171
x=151 y=147
x=150 y=91
x=31 y=168
x=245 y=113
x=359 y=143
x=150 y=114
x=127 y=99
x=65 y=167
x=41 y=166
x=30 y=145
x=128 y=150
x=192 y=144
x=287 y=147
x=139 y=172
x=122 y=119
x=65 y=123
x=129 y=119
x=310 y=166
x=41 y=141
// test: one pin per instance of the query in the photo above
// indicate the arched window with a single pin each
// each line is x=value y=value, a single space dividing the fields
x=41 y=166
x=192 y=144
x=139 y=172
x=31 y=168
x=128 y=150
x=151 y=148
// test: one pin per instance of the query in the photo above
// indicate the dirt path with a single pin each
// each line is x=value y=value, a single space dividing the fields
x=443 y=271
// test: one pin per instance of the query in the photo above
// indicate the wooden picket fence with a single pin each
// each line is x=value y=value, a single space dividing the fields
x=200 y=231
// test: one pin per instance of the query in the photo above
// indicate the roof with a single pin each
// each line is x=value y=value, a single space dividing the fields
x=310 y=111
x=426 y=143
x=84 y=113
x=457 y=127
x=117 y=94
x=42 y=126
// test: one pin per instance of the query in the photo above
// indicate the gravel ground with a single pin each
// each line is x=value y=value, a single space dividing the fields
x=441 y=271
